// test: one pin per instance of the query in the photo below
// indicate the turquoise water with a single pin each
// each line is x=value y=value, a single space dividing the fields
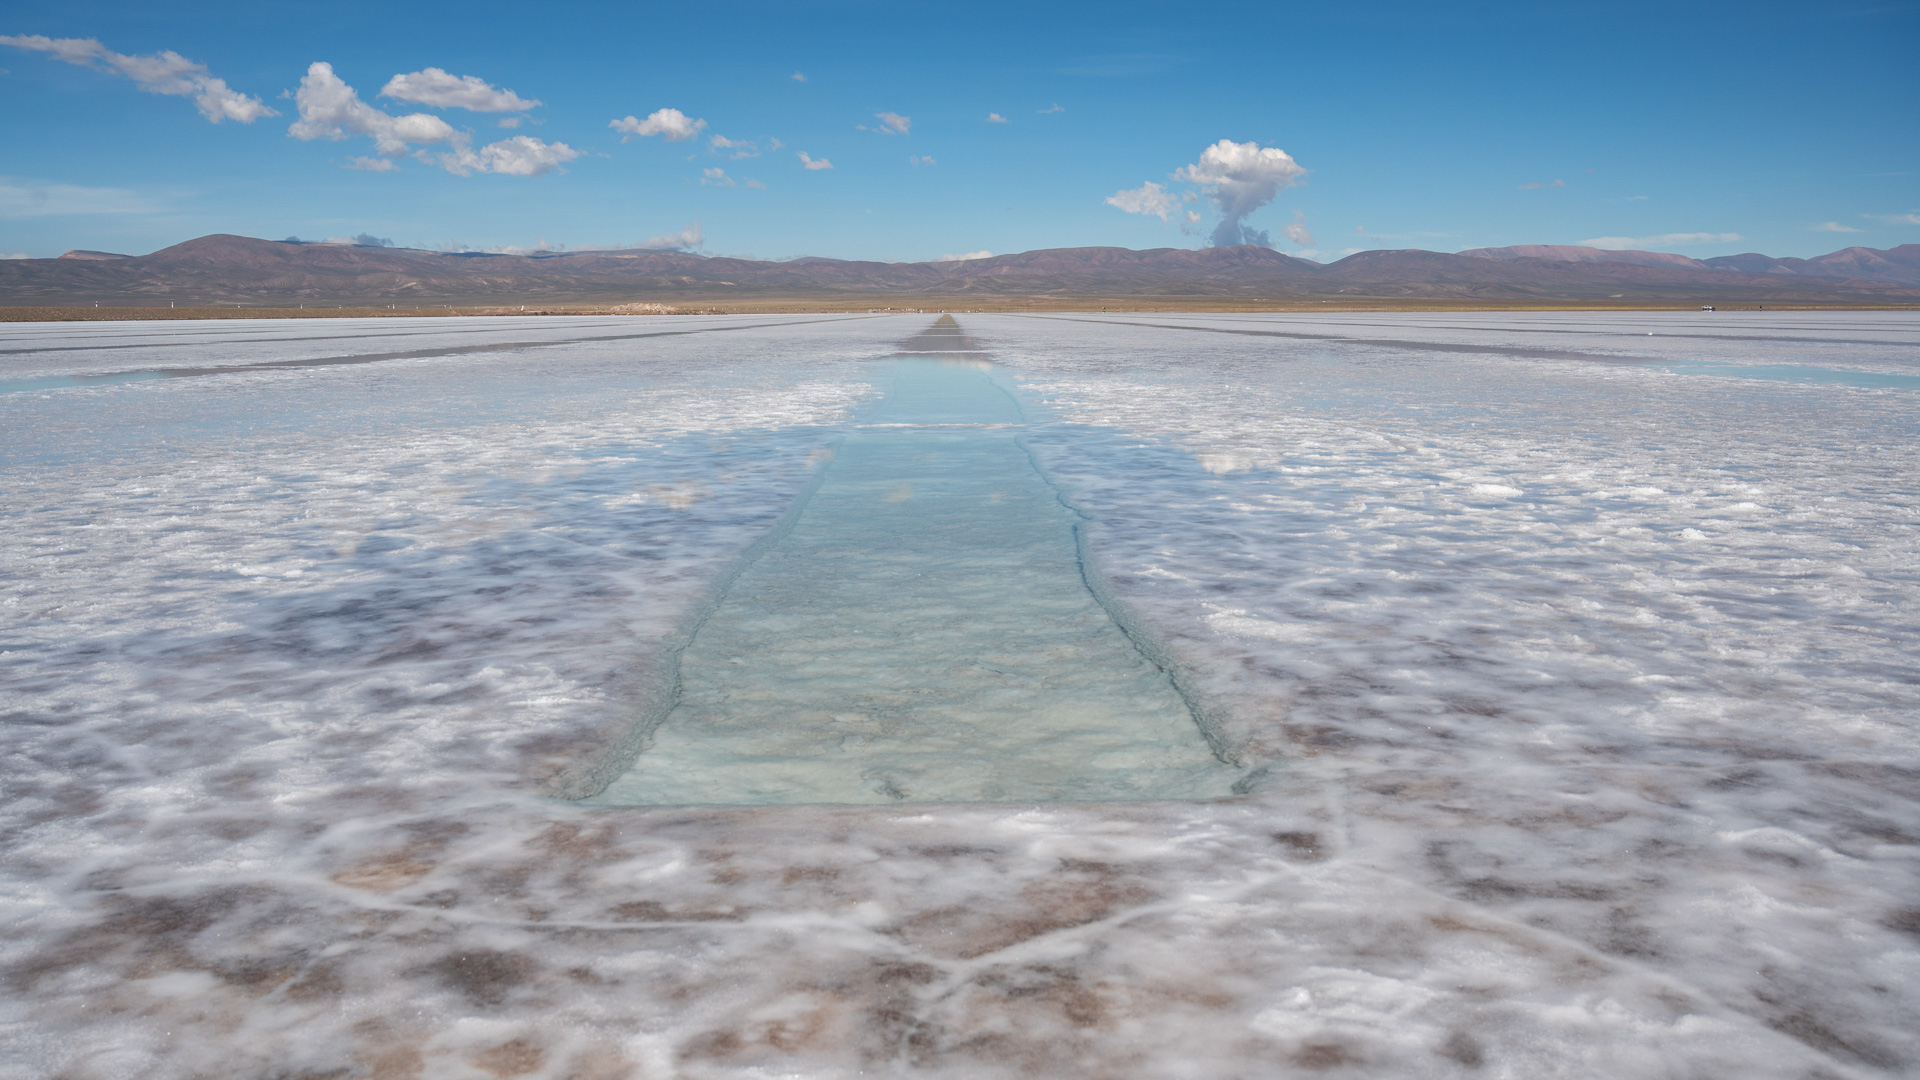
x=924 y=628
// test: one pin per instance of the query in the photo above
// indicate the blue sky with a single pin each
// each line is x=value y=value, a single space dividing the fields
x=1707 y=129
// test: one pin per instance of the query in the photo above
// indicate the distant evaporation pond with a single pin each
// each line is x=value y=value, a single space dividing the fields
x=925 y=626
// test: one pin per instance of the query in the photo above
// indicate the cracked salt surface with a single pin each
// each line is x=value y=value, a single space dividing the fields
x=1591 y=681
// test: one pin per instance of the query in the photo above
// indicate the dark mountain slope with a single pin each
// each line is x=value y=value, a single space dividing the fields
x=224 y=269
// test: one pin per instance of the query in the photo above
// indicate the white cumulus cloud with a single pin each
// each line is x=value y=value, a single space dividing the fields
x=893 y=123
x=686 y=239
x=1298 y=233
x=1675 y=239
x=433 y=86
x=921 y=159
x=1241 y=178
x=671 y=124
x=522 y=155
x=165 y=72
x=1149 y=199
x=996 y=118
x=966 y=256
x=715 y=178
x=814 y=163
x=330 y=109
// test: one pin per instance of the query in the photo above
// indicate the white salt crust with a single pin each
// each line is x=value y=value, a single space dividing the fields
x=1586 y=656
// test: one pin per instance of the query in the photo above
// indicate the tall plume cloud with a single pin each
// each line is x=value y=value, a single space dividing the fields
x=165 y=72
x=332 y=110
x=1241 y=178
x=433 y=86
x=671 y=124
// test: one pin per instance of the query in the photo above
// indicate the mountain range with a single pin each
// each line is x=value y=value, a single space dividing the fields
x=229 y=270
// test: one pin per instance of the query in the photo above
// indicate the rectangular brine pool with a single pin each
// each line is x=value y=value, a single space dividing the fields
x=925 y=625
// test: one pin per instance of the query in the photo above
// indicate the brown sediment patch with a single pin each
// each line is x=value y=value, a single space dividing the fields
x=484 y=976
x=1301 y=846
x=1080 y=894
x=385 y=874
x=515 y=1057
x=644 y=911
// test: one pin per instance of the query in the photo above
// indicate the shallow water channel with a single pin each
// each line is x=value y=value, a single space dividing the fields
x=925 y=626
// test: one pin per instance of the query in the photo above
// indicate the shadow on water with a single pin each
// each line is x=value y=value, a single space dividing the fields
x=924 y=626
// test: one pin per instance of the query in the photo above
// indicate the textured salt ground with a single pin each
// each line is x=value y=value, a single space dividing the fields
x=1595 y=684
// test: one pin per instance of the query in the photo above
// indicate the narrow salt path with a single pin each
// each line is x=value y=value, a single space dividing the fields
x=923 y=629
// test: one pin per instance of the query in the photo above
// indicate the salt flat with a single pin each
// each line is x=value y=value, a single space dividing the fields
x=1580 y=646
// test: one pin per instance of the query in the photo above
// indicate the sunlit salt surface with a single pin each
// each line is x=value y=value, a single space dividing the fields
x=923 y=629
x=1582 y=661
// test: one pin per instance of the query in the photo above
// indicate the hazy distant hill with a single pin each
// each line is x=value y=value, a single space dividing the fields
x=1899 y=266
x=225 y=269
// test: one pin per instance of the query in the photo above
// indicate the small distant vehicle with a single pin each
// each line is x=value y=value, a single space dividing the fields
x=1706 y=307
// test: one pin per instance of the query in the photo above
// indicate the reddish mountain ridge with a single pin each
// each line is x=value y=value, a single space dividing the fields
x=225 y=269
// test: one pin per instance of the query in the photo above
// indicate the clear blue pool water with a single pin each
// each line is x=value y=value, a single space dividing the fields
x=924 y=627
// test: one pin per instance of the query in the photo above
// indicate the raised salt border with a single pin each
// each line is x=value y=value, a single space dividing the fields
x=1583 y=644
x=926 y=627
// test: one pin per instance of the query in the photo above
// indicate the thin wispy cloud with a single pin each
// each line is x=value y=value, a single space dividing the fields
x=968 y=256
x=432 y=86
x=715 y=178
x=920 y=159
x=891 y=123
x=670 y=124
x=370 y=164
x=1054 y=108
x=813 y=163
x=26 y=199
x=165 y=72
x=1686 y=239
x=798 y=77
x=736 y=149
x=1535 y=185
x=1911 y=217
x=1834 y=226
